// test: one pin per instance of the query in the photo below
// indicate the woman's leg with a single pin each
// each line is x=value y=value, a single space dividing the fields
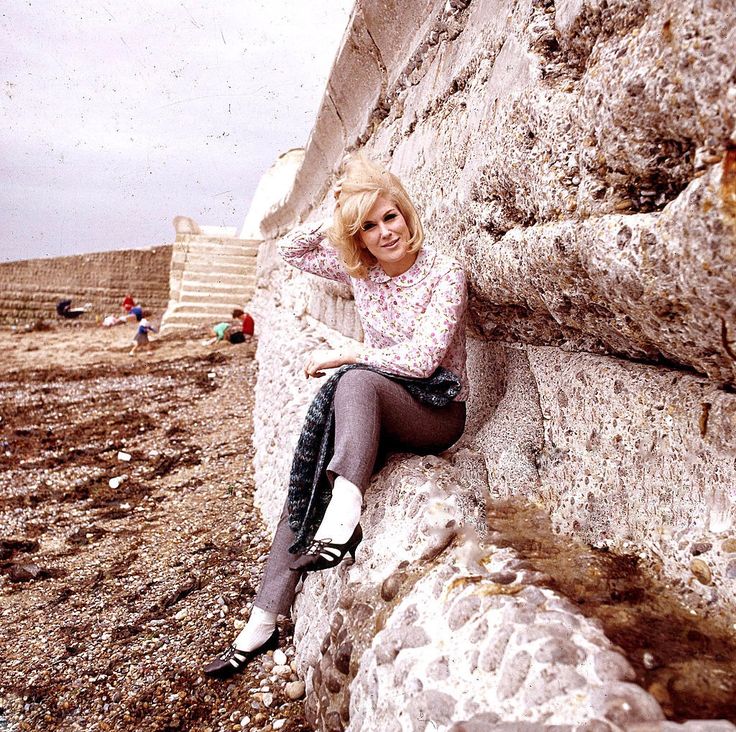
x=371 y=410
x=278 y=584
x=276 y=594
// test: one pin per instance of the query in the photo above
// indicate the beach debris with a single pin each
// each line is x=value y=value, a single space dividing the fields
x=25 y=572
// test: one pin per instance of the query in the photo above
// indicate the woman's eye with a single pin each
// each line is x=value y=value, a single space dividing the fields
x=390 y=216
x=367 y=225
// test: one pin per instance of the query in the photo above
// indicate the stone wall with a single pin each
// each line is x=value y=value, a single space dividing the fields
x=32 y=287
x=579 y=158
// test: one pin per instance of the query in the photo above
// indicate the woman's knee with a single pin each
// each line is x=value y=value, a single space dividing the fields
x=360 y=384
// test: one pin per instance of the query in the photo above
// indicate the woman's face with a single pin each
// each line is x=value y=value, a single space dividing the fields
x=385 y=235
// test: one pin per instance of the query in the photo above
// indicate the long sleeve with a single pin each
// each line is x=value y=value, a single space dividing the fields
x=307 y=249
x=433 y=334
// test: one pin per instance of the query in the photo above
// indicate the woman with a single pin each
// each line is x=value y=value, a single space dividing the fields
x=411 y=301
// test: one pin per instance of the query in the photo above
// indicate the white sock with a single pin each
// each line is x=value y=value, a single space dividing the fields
x=343 y=512
x=257 y=630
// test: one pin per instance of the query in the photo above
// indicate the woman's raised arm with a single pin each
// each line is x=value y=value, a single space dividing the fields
x=307 y=249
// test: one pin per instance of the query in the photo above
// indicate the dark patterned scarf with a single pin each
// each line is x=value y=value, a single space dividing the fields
x=309 y=488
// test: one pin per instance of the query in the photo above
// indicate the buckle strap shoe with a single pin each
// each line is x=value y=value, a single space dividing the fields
x=233 y=660
x=323 y=554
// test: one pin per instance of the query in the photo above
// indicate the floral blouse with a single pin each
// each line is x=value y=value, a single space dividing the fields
x=412 y=323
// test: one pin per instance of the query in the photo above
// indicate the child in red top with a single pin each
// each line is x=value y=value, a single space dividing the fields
x=248 y=326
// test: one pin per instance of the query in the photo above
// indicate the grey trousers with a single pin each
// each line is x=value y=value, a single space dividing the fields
x=372 y=414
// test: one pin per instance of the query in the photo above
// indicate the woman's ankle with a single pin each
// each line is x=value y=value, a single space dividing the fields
x=343 y=512
x=257 y=631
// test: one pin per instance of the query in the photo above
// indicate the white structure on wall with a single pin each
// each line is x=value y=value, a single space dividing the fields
x=272 y=191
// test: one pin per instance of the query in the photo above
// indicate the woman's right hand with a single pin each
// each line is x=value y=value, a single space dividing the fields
x=322 y=359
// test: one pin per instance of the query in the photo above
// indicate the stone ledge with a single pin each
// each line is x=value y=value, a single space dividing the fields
x=642 y=286
x=524 y=437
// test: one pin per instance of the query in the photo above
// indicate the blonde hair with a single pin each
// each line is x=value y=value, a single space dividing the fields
x=360 y=185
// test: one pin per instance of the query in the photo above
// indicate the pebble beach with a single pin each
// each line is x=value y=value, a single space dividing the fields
x=130 y=546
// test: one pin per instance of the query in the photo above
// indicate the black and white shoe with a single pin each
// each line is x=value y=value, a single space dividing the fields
x=323 y=554
x=232 y=660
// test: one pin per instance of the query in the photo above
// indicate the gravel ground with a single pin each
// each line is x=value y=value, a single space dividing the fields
x=114 y=594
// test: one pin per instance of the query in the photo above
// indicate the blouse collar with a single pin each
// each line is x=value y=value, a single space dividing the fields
x=414 y=275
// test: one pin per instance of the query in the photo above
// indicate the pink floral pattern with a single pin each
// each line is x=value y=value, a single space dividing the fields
x=412 y=323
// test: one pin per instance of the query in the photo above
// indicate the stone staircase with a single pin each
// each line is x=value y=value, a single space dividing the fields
x=209 y=277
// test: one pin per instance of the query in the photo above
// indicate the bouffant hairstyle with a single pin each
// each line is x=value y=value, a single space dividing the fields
x=360 y=185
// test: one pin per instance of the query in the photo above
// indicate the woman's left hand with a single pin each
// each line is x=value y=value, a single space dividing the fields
x=318 y=361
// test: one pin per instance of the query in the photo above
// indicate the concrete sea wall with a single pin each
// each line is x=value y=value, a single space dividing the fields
x=579 y=158
x=32 y=287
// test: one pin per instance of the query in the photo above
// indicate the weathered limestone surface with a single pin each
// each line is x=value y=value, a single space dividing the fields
x=32 y=287
x=579 y=158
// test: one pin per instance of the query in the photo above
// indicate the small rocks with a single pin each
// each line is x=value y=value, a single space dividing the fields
x=700 y=547
x=513 y=674
x=559 y=651
x=701 y=571
x=294 y=690
x=26 y=572
x=729 y=546
x=279 y=658
x=612 y=666
x=131 y=554
x=390 y=587
x=649 y=660
x=624 y=704
x=462 y=611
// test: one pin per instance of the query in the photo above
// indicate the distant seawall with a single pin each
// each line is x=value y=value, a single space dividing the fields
x=32 y=287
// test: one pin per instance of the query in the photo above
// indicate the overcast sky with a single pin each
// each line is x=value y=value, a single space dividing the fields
x=119 y=115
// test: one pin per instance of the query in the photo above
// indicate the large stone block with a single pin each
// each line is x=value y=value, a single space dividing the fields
x=393 y=26
x=655 y=286
x=636 y=454
x=357 y=80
